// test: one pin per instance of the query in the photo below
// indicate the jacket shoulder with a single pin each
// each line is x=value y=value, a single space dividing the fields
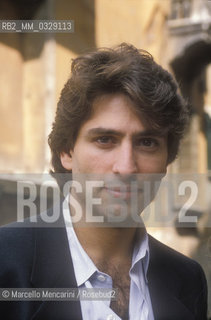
x=163 y=254
x=16 y=254
x=181 y=275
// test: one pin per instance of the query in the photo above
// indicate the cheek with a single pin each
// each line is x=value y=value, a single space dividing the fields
x=99 y=163
x=90 y=162
x=161 y=165
x=153 y=165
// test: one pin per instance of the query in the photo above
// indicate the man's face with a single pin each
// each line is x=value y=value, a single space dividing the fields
x=114 y=142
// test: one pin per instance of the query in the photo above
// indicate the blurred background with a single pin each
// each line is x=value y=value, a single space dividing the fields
x=35 y=66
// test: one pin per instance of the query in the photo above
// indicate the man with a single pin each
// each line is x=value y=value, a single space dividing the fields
x=118 y=124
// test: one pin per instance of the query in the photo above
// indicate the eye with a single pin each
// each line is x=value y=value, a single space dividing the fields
x=147 y=143
x=105 y=141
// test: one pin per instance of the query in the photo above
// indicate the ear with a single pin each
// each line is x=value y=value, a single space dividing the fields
x=66 y=160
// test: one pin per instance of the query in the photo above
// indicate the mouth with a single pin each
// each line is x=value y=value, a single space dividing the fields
x=123 y=192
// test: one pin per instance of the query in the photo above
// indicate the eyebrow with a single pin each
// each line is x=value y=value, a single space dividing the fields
x=108 y=131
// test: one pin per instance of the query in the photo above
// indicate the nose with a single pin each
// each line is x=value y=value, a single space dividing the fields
x=125 y=161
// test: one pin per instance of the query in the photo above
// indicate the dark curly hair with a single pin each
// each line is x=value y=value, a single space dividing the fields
x=123 y=69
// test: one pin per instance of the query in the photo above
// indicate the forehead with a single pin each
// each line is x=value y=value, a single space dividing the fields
x=117 y=100
x=115 y=106
x=117 y=112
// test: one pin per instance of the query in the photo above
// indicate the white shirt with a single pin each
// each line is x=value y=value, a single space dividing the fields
x=88 y=276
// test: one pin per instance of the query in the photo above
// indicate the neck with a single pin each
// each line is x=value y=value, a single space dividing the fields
x=110 y=244
x=107 y=243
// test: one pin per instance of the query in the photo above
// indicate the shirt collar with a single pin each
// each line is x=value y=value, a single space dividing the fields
x=141 y=251
x=83 y=266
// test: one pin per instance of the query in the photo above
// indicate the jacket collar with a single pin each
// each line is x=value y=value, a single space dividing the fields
x=53 y=268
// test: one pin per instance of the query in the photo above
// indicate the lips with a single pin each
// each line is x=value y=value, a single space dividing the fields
x=123 y=191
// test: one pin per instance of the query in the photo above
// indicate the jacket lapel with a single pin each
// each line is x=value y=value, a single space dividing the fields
x=164 y=289
x=53 y=268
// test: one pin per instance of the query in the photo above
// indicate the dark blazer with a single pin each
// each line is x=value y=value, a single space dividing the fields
x=39 y=257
